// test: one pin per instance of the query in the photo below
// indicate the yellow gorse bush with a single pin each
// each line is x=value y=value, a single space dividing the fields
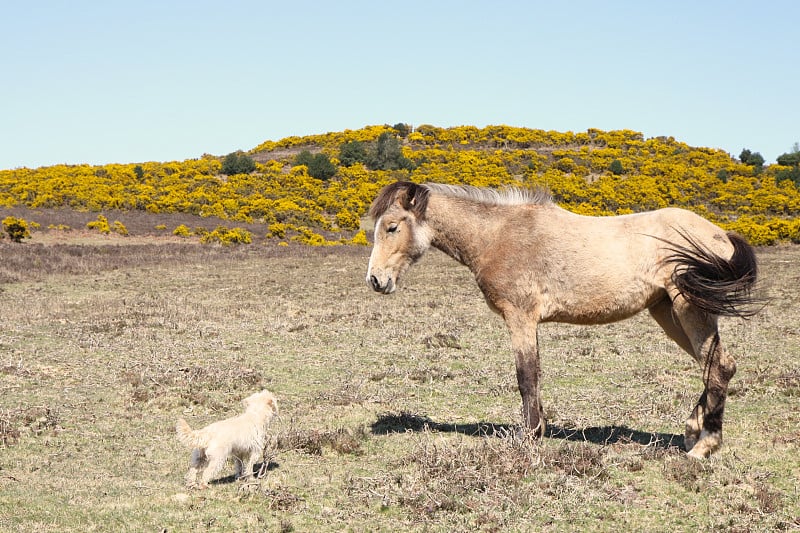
x=16 y=228
x=576 y=167
x=227 y=236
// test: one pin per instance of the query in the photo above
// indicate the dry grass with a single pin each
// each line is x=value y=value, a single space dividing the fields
x=397 y=412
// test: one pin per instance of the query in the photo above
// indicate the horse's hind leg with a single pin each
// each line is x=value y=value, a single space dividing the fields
x=664 y=314
x=704 y=426
x=719 y=369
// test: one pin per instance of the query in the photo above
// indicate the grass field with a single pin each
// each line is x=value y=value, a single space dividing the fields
x=397 y=412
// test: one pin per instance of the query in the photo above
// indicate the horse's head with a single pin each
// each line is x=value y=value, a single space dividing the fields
x=401 y=234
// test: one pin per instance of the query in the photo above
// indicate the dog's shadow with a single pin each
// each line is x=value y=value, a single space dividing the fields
x=258 y=470
x=603 y=435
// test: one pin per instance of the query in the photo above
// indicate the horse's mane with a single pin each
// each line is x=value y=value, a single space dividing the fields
x=415 y=197
x=506 y=196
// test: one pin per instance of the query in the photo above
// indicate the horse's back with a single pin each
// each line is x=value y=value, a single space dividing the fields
x=602 y=269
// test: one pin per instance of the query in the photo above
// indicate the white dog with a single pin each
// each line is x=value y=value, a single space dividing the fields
x=242 y=437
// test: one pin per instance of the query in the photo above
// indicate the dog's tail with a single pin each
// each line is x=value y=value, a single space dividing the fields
x=186 y=435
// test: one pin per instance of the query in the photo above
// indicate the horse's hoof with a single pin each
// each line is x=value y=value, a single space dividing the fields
x=706 y=445
x=694 y=453
x=536 y=433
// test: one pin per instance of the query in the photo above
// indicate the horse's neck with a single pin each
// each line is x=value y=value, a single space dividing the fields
x=459 y=229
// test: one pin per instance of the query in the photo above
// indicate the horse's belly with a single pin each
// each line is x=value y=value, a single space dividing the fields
x=594 y=308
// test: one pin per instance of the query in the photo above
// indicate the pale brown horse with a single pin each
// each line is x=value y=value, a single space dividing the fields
x=536 y=262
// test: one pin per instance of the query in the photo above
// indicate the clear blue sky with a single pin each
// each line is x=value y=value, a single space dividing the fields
x=119 y=82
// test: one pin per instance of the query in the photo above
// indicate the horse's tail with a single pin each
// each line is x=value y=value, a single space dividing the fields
x=712 y=283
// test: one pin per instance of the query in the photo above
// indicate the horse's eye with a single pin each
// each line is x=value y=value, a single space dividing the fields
x=392 y=228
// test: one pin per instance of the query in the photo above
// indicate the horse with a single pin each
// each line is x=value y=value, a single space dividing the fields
x=536 y=262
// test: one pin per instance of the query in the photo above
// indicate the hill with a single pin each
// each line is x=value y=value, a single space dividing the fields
x=322 y=200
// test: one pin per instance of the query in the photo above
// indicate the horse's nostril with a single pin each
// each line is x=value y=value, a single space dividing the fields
x=374 y=282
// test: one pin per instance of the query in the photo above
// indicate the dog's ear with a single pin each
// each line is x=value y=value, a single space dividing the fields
x=272 y=402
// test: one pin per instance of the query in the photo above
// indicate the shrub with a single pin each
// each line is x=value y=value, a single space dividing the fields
x=237 y=163
x=789 y=159
x=101 y=225
x=754 y=159
x=17 y=228
x=565 y=164
x=182 y=231
x=387 y=154
x=227 y=237
x=755 y=230
x=277 y=229
x=790 y=174
x=319 y=165
x=309 y=237
x=616 y=167
x=360 y=239
x=120 y=228
x=402 y=129
x=345 y=219
x=352 y=152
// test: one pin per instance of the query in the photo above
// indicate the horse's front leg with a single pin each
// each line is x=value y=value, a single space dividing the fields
x=526 y=351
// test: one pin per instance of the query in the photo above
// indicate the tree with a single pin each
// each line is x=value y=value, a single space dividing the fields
x=387 y=154
x=754 y=159
x=744 y=157
x=790 y=159
x=402 y=129
x=352 y=152
x=237 y=163
x=319 y=165
x=792 y=174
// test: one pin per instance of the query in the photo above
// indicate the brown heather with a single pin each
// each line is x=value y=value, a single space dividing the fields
x=397 y=412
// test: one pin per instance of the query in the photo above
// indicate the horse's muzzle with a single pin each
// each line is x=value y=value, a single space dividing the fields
x=377 y=287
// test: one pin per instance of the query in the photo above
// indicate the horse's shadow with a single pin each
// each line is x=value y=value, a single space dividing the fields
x=603 y=435
x=258 y=469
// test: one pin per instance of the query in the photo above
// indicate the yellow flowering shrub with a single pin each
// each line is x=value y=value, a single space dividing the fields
x=119 y=228
x=346 y=219
x=16 y=228
x=278 y=230
x=101 y=225
x=360 y=238
x=575 y=166
x=227 y=236
x=182 y=231
x=308 y=236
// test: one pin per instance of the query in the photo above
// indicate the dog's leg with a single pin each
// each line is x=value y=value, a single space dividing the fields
x=196 y=465
x=240 y=470
x=249 y=460
x=216 y=461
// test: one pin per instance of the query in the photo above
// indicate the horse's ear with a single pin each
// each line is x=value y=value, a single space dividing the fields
x=416 y=199
x=410 y=196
